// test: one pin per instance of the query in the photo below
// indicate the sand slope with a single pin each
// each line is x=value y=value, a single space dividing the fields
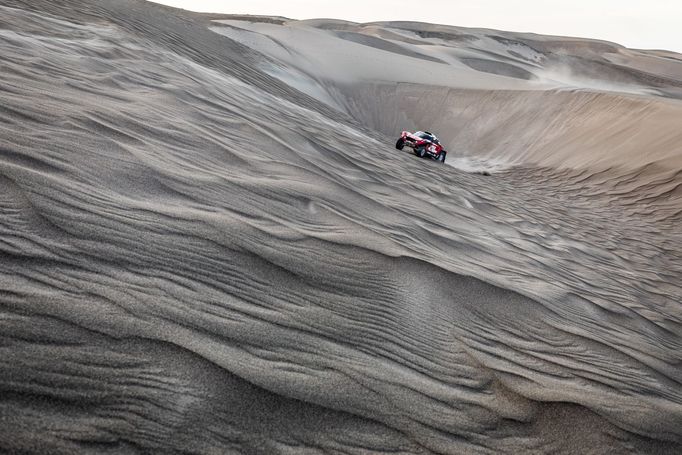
x=198 y=257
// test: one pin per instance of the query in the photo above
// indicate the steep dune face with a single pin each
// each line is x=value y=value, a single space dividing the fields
x=542 y=128
x=200 y=257
x=590 y=103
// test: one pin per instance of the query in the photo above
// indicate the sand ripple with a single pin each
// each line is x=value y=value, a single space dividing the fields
x=198 y=258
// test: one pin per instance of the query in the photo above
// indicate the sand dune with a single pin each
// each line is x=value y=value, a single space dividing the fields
x=210 y=245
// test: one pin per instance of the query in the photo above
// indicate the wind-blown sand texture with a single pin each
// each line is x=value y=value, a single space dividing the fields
x=210 y=245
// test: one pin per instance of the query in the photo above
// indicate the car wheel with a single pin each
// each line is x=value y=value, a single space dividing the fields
x=400 y=144
x=420 y=151
x=441 y=157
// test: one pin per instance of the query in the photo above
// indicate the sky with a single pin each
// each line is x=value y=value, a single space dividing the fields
x=641 y=24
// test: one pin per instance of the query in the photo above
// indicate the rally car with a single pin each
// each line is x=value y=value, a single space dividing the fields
x=423 y=143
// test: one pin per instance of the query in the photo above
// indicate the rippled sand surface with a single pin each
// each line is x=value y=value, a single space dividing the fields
x=210 y=245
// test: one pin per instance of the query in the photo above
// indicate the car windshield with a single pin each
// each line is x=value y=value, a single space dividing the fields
x=427 y=136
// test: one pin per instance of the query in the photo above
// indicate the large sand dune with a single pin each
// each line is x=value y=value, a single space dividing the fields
x=210 y=245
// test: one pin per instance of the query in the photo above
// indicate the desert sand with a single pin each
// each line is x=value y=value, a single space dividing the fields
x=210 y=244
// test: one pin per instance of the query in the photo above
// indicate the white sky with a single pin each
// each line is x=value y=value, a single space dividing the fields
x=643 y=24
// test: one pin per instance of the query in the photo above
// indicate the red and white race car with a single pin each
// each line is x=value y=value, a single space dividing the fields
x=423 y=143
